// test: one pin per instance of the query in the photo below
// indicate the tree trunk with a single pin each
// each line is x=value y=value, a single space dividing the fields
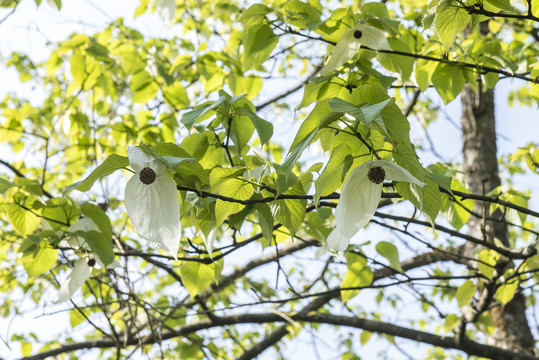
x=481 y=170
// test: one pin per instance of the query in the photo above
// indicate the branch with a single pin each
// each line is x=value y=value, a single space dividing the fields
x=291 y=91
x=20 y=174
x=305 y=315
x=468 y=346
x=480 y=69
x=519 y=253
x=478 y=9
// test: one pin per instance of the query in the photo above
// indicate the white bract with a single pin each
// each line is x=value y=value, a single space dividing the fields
x=151 y=199
x=79 y=274
x=82 y=270
x=350 y=43
x=360 y=196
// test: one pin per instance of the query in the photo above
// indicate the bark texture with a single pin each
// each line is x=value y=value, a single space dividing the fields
x=481 y=170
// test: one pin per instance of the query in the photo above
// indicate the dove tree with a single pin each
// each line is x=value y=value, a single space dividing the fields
x=250 y=184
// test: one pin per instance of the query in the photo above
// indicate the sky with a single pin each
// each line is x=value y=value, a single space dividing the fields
x=28 y=30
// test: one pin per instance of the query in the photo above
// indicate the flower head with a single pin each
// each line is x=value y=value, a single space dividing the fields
x=360 y=196
x=151 y=199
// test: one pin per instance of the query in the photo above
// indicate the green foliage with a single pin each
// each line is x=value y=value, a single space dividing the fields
x=213 y=98
x=391 y=253
x=358 y=275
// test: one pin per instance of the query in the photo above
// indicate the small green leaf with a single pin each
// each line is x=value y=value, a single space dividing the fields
x=236 y=189
x=170 y=154
x=501 y=4
x=197 y=276
x=450 y=322
x=5 y=185
x=291 y=212
x=333 y=174
x=258 y=42
x=486 y=261
x=263 y=128
x=190 y=118
x=450 y=21
x=110 y=165
x=22 y=220
x=37 y=257
x=365 y=336
x=320 y=116
x=265 y=220
x=423 y=73
x=98 y=51
x=506 y=292
x=253 y=11
x=465 y=293
x=358 y=275
x=448 y=80
x=390 y=252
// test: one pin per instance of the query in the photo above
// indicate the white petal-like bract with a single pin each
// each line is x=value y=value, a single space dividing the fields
x=74 y=281
x=397 y=173
x=153 y=208
x=348 y=45
x=359 y=200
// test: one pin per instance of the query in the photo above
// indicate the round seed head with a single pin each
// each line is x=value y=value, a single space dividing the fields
x=358 y=34
x=376 y=174
x=147 y=176
x=91 y=262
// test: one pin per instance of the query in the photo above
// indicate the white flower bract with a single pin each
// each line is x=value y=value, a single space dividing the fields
x=153 y=205
x=360 y=198
x=348 y=45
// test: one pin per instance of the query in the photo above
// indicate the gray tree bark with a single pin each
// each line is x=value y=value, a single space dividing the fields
x=481 y=170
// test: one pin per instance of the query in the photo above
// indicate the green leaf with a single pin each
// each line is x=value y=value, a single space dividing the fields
x=101 y=245
x=143 y=87
x=190 y=118
x=55 y=4
x=390 y=252
x=372 y=111
x=291 y=213
x=170 y=154
x=258 y=42
x=501 y=4
x=294 y=154
x=365 y=335
x=301 y=14
x=98 y=51
x=111 y=164
x=450 y=21
x=506 y=292
x=99 y=241
x=5 y=185
x=320 y=116
x=333 y=174
x=450 y=322
x=37 y=256
x=254 y=11
x=197 y=276
x=265 y=220
x=423 y=73
x=465 y=293
x=402 y=65
x=340 y=105
x=263 y=128
x=358 y=275
x=486 y=261
x=449 y=81
x=22 y=220
x=220 y=175
x=236 y=189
